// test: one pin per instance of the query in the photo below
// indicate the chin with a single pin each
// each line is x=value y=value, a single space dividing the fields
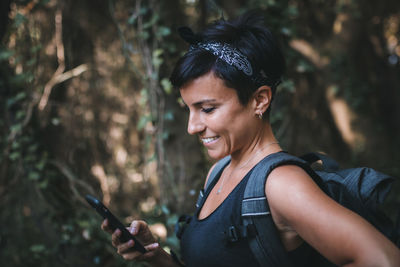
x=216 y=156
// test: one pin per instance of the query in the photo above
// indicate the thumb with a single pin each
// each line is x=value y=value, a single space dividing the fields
x=152 y=247
x=151 y=251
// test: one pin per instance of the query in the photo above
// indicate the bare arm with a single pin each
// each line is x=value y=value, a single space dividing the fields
x=339 y=234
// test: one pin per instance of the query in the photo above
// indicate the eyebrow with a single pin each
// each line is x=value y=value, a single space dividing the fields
x=204 y=101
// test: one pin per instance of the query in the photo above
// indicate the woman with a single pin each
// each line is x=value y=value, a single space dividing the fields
x=228 y=80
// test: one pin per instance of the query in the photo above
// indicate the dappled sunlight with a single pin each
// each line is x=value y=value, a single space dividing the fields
x=99 y=173
x=88 y=109
x=339 y=21
x=308 y=51
x=135 y=177
x=148 y=204
x=344 y=117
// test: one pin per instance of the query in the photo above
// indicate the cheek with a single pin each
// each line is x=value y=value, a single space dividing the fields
x=240 y=127
x=232 y=128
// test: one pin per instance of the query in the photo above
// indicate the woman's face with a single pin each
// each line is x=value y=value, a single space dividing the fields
x=222 y=123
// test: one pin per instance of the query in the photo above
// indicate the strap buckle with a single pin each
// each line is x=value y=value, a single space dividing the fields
x=181 y=224
x=235 y=233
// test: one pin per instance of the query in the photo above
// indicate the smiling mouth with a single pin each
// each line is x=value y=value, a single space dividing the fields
x=208 y=140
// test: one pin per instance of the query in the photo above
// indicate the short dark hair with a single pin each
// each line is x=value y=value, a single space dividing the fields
x=247 y=34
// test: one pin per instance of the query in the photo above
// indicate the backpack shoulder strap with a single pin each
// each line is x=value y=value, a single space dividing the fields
x=266 y=245
x=219 y=166
x=184 y=220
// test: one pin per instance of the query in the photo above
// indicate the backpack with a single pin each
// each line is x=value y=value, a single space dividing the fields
x=361 y=190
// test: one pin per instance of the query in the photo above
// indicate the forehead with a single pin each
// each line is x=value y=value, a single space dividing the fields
x=205 y=88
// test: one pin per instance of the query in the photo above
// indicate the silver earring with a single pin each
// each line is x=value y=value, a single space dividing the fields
x=260 y=115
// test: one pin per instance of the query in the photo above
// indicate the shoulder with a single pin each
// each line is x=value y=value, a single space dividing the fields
x=288 y=188
x=288 y=178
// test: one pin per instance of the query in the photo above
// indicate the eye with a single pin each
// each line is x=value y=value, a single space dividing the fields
x=208 y=110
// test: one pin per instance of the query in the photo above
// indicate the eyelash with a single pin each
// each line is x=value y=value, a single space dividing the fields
x=208 y=110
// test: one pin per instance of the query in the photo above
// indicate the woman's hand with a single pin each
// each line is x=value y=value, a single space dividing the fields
x=141 y=231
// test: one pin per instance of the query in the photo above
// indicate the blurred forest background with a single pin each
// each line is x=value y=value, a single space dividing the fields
x=86 y=107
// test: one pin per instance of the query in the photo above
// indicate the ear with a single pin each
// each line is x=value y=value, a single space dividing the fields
x=262 y=99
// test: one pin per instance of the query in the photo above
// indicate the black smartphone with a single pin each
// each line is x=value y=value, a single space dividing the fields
x=114 y=223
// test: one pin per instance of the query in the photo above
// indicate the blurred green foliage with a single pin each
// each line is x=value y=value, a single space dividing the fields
x=123 y=117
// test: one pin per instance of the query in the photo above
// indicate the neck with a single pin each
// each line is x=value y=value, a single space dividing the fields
x=262 y=145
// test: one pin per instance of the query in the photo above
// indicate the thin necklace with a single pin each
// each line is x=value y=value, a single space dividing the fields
x=244 y=164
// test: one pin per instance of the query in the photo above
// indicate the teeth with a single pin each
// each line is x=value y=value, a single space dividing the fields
x=208 y=140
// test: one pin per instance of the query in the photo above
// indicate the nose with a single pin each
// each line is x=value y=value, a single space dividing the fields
x=195 y=125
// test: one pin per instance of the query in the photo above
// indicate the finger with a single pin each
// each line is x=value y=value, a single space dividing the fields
x=137 y=226
x=105 y=227
x=125 y=247
x=151 y=251
x=115 y=238
x=127 y=252
x=134 y=255
x=134 y=228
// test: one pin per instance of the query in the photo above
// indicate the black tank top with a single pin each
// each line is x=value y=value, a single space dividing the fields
x=204 y=242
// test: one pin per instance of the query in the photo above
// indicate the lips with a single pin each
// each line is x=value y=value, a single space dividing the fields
x=209 y=139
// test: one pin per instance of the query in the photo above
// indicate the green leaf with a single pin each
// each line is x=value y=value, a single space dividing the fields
x=20 y=114
x=144 y=96
x=286 y=31
x=169 y=116
x=5 y=54
x=38 y=248
x=84 y=223
x=152 y=21
x=144 y=35
x=15 y=99
x=152 y=158
x=165 y=210
x=157 y=60
x=31 y=62
x=172 y=219
x=19 y=19
x=14 y=155
x=36 y=48
x=32 y=148
x=16 y=127
x=293 y=11
x=166 y=85
x=34 y=176
x=143 y=121
x=20 y=78
x=165 y=135
x=15 y=145
x=163 y=31
x=41 y=164
x=43 y=184
x=143 y=10
x=132 y=19
x=303 y=66
x=288 y=86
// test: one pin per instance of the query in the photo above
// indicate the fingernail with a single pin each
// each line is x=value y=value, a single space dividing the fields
x=133 y=230
x=130 y=242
